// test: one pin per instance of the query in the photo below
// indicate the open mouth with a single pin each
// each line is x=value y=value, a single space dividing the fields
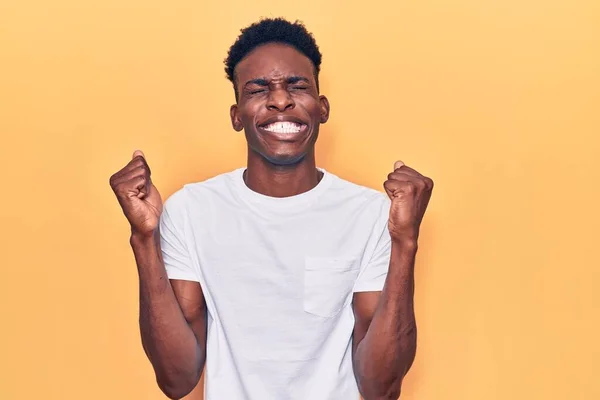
x=284 y=127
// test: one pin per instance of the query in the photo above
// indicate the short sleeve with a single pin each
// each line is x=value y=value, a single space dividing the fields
x=372 y=278
x=175 y=253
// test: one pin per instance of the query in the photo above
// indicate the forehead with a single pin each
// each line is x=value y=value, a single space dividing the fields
x=273 y=60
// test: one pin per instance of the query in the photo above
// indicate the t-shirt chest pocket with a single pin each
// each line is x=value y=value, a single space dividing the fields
x=328 y=283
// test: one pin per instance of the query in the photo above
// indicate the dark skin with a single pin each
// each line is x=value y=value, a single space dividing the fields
x=172 y=312
x=275 y=83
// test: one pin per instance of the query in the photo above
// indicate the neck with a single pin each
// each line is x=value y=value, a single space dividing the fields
x=281 y=181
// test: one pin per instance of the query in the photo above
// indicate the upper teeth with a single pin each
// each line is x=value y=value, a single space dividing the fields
x=283 y=127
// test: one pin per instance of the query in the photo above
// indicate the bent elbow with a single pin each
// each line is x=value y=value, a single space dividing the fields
x=391 y=395
x=390 y=392
x=176 y=390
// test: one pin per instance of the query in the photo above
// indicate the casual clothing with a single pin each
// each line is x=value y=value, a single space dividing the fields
x=278 y=276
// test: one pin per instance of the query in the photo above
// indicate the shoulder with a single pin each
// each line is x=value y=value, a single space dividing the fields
x=201 y=191
x=351 y=191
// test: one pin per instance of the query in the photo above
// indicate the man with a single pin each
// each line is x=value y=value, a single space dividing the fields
x=289 y=282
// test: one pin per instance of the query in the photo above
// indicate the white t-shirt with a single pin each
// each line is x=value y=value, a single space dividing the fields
x=278 y=276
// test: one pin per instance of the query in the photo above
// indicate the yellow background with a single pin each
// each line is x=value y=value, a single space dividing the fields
x=498 y=101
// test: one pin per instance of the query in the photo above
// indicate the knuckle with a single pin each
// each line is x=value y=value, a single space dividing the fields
x=120 y=190
x=137 y=171
x=138 y=162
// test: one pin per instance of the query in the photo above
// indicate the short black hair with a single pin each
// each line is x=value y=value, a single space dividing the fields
x=272 y=30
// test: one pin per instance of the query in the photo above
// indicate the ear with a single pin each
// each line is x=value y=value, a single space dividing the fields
x=324 y=105
x=236 y=122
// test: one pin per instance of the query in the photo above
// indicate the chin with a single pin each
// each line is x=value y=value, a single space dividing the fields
x=280 y=152
x=284 y=160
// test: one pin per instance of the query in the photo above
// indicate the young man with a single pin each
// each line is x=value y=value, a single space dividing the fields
x=289 y=282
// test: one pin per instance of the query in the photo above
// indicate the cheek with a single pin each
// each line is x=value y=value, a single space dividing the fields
x=248 y=113
x=310 y=105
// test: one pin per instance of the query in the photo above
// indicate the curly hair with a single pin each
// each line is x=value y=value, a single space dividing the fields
x=272 y=30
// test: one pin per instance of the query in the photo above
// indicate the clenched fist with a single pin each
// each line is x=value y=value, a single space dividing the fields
x=138 y=197
x=410 y=193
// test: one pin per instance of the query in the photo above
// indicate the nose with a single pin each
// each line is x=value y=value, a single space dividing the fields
x=280 y=100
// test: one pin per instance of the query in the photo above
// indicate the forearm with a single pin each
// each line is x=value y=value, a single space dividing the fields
x=168 y=340
x=386 y=353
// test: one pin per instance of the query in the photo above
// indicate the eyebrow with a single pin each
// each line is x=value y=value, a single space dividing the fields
x=296 y=79
x=264 y=82
x=258 y=81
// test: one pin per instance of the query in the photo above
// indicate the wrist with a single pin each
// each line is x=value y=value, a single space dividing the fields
x=143 y=238
x=405 y=244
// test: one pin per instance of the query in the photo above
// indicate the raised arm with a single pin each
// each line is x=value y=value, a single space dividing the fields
x=385 y=331
x=172 y=313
